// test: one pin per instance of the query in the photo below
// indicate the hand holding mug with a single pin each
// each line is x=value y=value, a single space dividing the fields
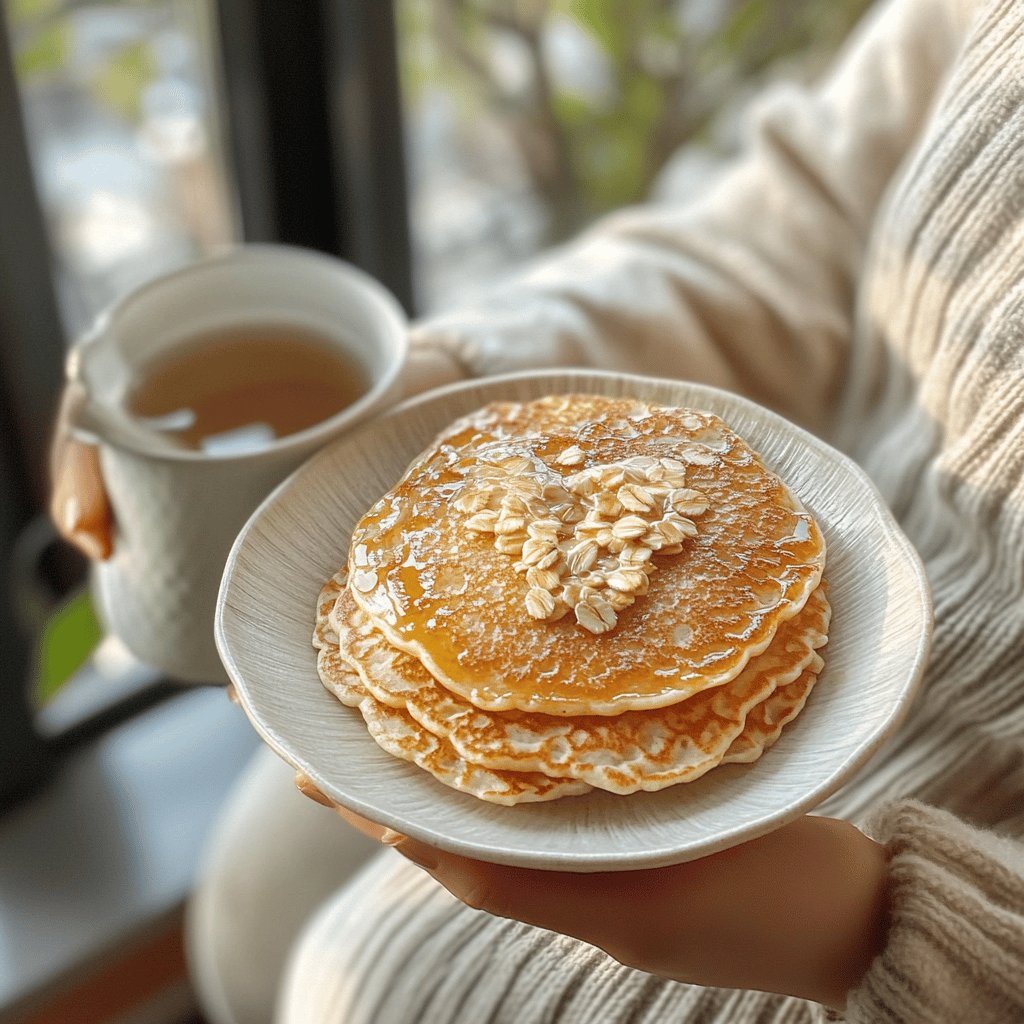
x=159 y=517
x=79 y=505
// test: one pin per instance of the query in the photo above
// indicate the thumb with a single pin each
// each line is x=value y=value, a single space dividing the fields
x=429 y=365
x=579 y=905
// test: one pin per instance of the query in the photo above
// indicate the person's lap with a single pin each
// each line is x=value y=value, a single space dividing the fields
x=392 y=945
x=271 y=862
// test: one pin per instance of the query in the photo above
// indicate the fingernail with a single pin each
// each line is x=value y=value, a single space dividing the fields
x=87 y=544
x=70 y=514
x=418 y=853
x=305 y=785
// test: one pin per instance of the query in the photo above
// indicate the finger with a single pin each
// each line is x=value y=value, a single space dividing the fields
x=370 y=829
x=79 y=504
x=428 y=366
x=379 y=833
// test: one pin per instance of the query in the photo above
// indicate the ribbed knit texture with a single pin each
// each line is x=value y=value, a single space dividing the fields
x=956 y=944
x=862 y=270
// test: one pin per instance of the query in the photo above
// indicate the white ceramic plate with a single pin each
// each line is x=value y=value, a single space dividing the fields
x=299 y=536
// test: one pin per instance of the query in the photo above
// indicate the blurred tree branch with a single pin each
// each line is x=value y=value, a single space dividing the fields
x=582 y=153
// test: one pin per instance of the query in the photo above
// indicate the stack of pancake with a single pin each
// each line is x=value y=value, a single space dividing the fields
x=578 y=592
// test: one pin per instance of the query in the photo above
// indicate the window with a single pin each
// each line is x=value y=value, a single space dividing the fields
x=124 y=130
x=136 y=135
x=525 y=121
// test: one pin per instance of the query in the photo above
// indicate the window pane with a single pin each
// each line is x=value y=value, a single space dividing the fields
x=527 y=120
x=123 y=125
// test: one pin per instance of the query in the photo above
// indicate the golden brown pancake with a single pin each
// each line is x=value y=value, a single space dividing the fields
x=431 y=568
x=767 y=720
x=573 y=592
x=403 y=736
x=648 y=749
x=396 y=732
x=329 y=663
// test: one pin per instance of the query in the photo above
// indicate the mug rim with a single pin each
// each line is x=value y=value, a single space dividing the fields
x=323 y=430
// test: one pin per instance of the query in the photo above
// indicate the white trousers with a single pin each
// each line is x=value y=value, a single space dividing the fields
x=273 y=859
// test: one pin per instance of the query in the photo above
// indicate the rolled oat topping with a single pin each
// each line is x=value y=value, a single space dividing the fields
x=585 y=540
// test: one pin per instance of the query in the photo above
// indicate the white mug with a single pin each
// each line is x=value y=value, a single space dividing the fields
x=177 y=510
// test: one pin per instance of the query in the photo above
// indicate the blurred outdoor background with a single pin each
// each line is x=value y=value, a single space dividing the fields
x=501 y=127
x=523 y=120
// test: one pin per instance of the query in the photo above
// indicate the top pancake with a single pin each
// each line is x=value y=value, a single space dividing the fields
x=440 y=590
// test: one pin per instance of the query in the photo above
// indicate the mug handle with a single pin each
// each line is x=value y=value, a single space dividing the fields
x=74 y=417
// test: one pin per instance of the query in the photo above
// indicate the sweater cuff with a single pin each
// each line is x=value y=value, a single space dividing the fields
x=956 y=936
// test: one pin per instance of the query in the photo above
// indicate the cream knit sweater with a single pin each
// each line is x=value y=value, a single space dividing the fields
x=862 y=271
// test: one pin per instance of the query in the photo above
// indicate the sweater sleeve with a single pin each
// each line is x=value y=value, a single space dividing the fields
x=955 y=950
x=750 y=286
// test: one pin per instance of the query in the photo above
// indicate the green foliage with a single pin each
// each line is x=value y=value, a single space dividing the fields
x=743 y=26
x=610 y=141
x=611 y=147
x=121 y=81
x=418 y=63
x=45 y=53
x=69 y=637
x=608 y=22
x=41 y=34
x=21 y=11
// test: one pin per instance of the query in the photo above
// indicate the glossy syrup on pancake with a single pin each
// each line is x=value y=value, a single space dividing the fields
x=446 y=595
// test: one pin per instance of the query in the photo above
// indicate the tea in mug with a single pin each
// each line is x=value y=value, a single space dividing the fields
x=238 y=388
